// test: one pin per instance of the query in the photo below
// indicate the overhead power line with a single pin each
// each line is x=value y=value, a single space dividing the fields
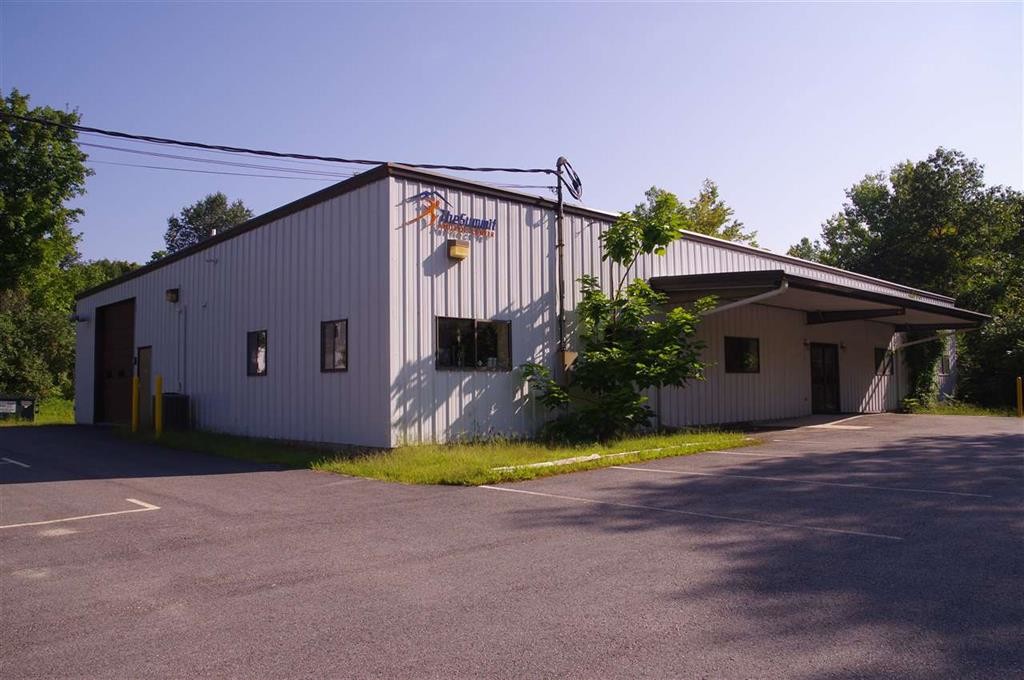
x=215 y=161
x=320 y=175
x=211 y=172
x=263 y=152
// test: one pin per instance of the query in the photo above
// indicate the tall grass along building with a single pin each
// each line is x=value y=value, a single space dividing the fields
x=394 y=307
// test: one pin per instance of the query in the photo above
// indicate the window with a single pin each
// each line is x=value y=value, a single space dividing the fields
x=944 y=362
x=883 y=361
x=473 y=345
x=334 y=346
x=256 y=352
x=742 y=355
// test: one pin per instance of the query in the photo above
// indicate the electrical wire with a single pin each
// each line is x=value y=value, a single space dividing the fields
x=261 y=152
x=331 y=178
x=212 y=172
x=196 y=159
x=315 y=164
x=253 y=166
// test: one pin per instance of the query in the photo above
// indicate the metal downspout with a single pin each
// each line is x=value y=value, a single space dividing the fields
x=783 y=287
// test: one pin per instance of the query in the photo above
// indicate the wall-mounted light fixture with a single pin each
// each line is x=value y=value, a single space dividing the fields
x=458 y=250
x=842 y=345
x=807 y=343
x=171 y=295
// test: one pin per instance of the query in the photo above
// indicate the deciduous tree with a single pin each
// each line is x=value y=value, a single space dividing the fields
x=41 y=171
x=935 y=225
x=197 y=222
x=628 y=342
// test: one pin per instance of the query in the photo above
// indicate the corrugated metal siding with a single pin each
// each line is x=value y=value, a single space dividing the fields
x=325 y=262
x=783 y=387
x=693 y=256
x=508 y=277
x=512 y=276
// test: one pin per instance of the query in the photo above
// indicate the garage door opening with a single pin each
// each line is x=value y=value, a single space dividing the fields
x=115 y=349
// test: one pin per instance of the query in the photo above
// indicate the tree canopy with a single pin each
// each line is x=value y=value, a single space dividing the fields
x=197 y=222
x=706 y=214
x=41 y=170
x=934 y=224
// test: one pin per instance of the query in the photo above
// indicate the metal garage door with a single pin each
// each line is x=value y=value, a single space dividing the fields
x=115 y=341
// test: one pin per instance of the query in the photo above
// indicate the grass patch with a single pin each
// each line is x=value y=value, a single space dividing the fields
x=243 y=448
x=468 y=464
x=473 y=464
x=51 y=411
x=952 y=407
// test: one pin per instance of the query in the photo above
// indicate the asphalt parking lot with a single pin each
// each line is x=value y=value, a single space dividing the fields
x=883 y=546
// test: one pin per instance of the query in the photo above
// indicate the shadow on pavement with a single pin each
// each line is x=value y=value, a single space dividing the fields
x=70 y=452
x=952 y=589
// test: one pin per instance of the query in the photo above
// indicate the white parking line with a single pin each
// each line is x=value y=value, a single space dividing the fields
x=802 y=481
x=347 y=480
x=755 y=455
x=146 y=507
x=835 y=423
x=15 y=462
x=672 y=511
x=804 y=441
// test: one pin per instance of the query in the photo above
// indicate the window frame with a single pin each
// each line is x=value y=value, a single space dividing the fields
x=476 y=323
x=251 y=366
x=944 y=358
x=885 y=366
x=323 y=367
x=727 y=355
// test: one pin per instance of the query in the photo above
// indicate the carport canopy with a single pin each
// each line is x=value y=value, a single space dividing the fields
x=823 y=302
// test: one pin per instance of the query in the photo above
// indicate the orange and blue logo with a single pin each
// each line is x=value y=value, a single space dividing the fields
x=442 y=218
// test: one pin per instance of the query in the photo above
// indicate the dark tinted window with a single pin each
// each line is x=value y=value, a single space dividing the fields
x=334 y=345
x=883 y=361
x=256 y=352
x=473 y=345
x=742 y=355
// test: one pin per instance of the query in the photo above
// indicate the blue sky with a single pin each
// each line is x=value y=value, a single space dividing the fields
x=784 y=106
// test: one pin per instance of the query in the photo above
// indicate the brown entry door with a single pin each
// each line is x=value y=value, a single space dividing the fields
x=824 y=378
x=115 y=351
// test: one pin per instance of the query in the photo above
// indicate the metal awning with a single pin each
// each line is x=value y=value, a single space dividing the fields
x=822 y=301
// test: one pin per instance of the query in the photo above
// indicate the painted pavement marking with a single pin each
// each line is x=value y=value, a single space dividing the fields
x=899 y=489
x=144 y=507
x=672 y=511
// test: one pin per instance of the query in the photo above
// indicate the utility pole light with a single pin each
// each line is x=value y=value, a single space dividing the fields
x=567 y=179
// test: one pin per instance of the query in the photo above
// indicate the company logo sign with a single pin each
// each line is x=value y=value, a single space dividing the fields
x=438 y=212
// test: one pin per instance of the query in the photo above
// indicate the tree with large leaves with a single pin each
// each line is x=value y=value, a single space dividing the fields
x=197 y=222
x=628 y=342
x=41 y=171
x=935 y=225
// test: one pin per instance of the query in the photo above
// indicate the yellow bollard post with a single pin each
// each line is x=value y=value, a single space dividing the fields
x=158 y=406
x=135 y=403
x=1020 y=397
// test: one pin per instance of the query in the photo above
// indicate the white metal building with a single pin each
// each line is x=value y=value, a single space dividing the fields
x=347 y=316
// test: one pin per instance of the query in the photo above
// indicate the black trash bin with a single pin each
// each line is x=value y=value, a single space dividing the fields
x=17 y=408
x=175 y=411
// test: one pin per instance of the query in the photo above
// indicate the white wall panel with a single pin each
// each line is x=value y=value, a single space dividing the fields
x=783 y=387
x=508 y=276
x=356 y=256
x=512 y=277
x=327 y=261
